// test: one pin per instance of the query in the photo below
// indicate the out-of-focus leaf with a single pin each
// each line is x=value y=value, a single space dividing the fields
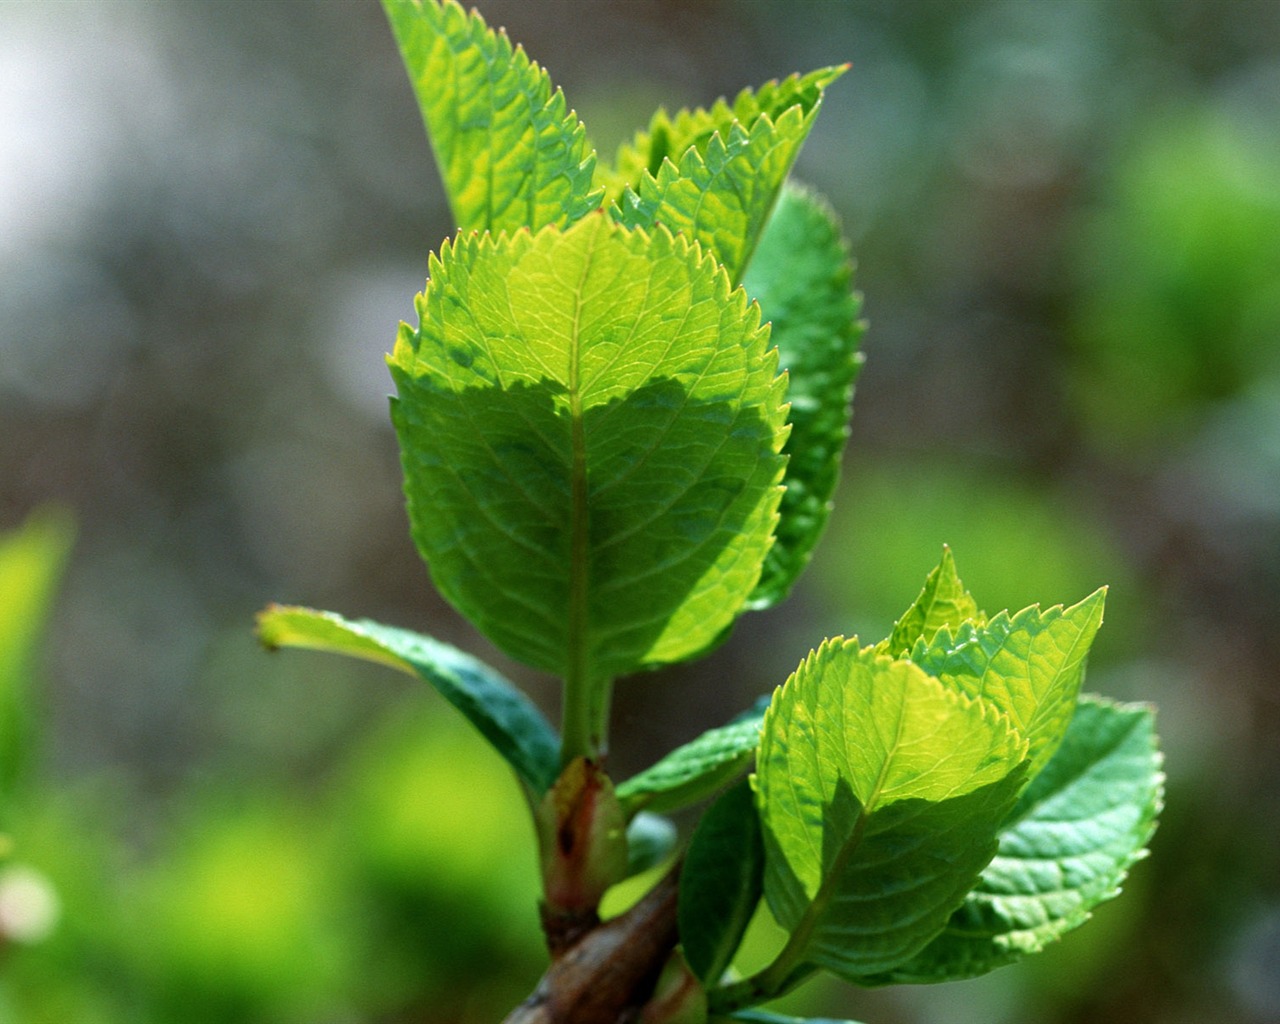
x=31 y=564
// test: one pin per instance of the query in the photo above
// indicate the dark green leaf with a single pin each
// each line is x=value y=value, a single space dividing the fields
x=721 y=882
x=801 y=276
x=504 y=715
x=697 y=769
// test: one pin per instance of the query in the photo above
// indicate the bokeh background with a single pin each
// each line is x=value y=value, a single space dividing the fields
x=1066 y=216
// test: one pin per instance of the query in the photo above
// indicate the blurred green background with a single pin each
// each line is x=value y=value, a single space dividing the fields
x=1066 y=215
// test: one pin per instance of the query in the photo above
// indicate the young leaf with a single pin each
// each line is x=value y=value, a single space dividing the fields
x=1079 y=827
x=670 y=137
x=721 y=187
x=943 y=602
x=510 y=153
x=881 y=792
x=721 y=882
x=1029 y=666
x=801 y=276
x=697 y=769
x=504 y=715
x=590 y=427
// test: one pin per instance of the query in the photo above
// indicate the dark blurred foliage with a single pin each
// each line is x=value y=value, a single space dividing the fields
x=1066 y=215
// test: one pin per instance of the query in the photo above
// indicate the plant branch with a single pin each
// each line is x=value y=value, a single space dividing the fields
x=607 y=976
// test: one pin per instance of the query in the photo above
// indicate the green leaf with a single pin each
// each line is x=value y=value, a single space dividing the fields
x=1079 y=827
x=801 y=276
x=504 y=715
x=1029 y=666
x=881 y=792
x=510 y=152
x=700 y=767
x=944 y=602
x=721 y=882
x=767 y=1017
x=590 y=425
x=721 y=187
x=670 y=137
x=31 y=564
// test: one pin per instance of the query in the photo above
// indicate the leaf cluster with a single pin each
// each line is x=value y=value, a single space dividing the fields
x=621 y=416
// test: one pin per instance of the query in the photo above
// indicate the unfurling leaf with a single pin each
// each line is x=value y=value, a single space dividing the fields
x=944 y=602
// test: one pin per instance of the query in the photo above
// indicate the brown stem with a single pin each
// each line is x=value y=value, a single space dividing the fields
x=606 y=977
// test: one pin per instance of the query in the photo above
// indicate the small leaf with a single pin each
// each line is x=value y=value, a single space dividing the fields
x=801 y=276
x=943 y=602
x=721 y=187
x=1029 y=666
x=721 y=882
x=504 y=715
x=696 y=770
x=590 y=426
x=881 y=792
x=510 y=152
x=1079 y=827
x=670 y=137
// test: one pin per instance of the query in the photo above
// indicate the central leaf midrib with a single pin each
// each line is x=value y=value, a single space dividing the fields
x=578 y=666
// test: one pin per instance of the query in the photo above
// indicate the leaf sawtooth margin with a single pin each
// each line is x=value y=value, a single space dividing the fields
x=802 y=277
x=722 y=188
x=590 y=424
x=1030 y=665
x=510 y=152
x=880 y=794
x=1084 y=821
x=698 y=768
x=502 y=713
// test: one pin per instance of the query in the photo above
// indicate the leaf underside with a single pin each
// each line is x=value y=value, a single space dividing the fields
x=1067 y=847
x=801 y=275
x=880 y=794
x=590 y=424
x=501 y=712
x=510 y=152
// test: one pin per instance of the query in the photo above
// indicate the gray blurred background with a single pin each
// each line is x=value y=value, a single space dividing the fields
x=1066 y=217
